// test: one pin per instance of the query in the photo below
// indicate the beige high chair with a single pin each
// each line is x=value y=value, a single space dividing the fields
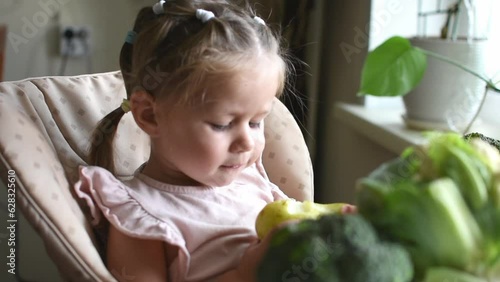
x=46 y=124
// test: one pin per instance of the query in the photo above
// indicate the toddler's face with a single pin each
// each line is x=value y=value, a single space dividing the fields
x=212 y=141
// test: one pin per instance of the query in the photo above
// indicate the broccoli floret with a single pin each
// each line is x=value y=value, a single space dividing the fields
x=347 y=230
x=334 y=248
x=362 y=256
x=491 y=141
x=298 y=253
x=380 y=262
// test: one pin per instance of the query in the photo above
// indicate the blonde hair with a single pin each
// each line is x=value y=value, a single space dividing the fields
x=174 y=53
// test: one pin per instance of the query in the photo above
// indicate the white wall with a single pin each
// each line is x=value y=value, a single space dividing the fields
x=32 y=47
x=399 y=17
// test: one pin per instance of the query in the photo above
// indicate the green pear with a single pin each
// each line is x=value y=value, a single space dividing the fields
x=277 y=212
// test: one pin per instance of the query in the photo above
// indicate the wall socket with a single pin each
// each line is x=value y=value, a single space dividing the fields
x=75 y=41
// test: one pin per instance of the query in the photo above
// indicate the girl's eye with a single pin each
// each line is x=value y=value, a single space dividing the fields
x=219 y=127
x=254 y=124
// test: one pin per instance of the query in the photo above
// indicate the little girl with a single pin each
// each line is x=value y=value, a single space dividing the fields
x=201 y=77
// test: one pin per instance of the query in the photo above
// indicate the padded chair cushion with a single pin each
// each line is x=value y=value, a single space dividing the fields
x=46 y=127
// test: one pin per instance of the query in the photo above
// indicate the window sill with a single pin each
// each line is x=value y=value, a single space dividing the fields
x=386 y=127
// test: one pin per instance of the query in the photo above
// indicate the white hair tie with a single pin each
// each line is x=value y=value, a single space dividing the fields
x=158 y=8
x=204 y=15
x=259 y=20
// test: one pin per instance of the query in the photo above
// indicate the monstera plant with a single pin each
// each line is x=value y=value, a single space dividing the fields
x=441 y=70
x=396 y=67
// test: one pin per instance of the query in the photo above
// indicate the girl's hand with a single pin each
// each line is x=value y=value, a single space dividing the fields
x=247 y=269
x=349 y=209
x=249 y=263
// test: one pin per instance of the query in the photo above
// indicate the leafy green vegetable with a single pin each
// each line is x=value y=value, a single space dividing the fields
x=451 y=156
x=431 y=220
x=334 y=248
x=441 y=274
x=441 y=202
x=489 y=140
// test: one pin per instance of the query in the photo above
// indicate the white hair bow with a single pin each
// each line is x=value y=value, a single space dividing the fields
x=259 y=20
x=158 y=8
x=204 y=15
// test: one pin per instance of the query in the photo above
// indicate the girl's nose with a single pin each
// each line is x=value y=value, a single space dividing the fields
x=244 y=141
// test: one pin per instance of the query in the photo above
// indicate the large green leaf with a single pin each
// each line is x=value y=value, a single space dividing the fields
x=393 y=69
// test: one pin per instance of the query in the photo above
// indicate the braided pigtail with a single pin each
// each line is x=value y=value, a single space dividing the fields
x=101 y=150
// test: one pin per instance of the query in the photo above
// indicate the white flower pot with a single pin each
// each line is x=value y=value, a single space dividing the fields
x=447 y=98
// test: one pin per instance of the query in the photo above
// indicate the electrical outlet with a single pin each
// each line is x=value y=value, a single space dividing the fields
x=75 y=41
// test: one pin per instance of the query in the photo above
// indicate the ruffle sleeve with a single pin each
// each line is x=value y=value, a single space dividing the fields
x=109 y=197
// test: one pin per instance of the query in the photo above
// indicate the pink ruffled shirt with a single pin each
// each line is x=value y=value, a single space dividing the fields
x=212 y=226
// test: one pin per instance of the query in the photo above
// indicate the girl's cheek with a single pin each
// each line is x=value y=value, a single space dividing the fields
x=260 y=142
x=259 y=137
x=257 y=152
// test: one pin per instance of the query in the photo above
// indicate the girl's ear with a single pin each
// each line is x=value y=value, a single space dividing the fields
x=142 y=108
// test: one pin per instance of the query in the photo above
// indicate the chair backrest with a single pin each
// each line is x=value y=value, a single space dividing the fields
x=46 y=125
x=3 y=39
